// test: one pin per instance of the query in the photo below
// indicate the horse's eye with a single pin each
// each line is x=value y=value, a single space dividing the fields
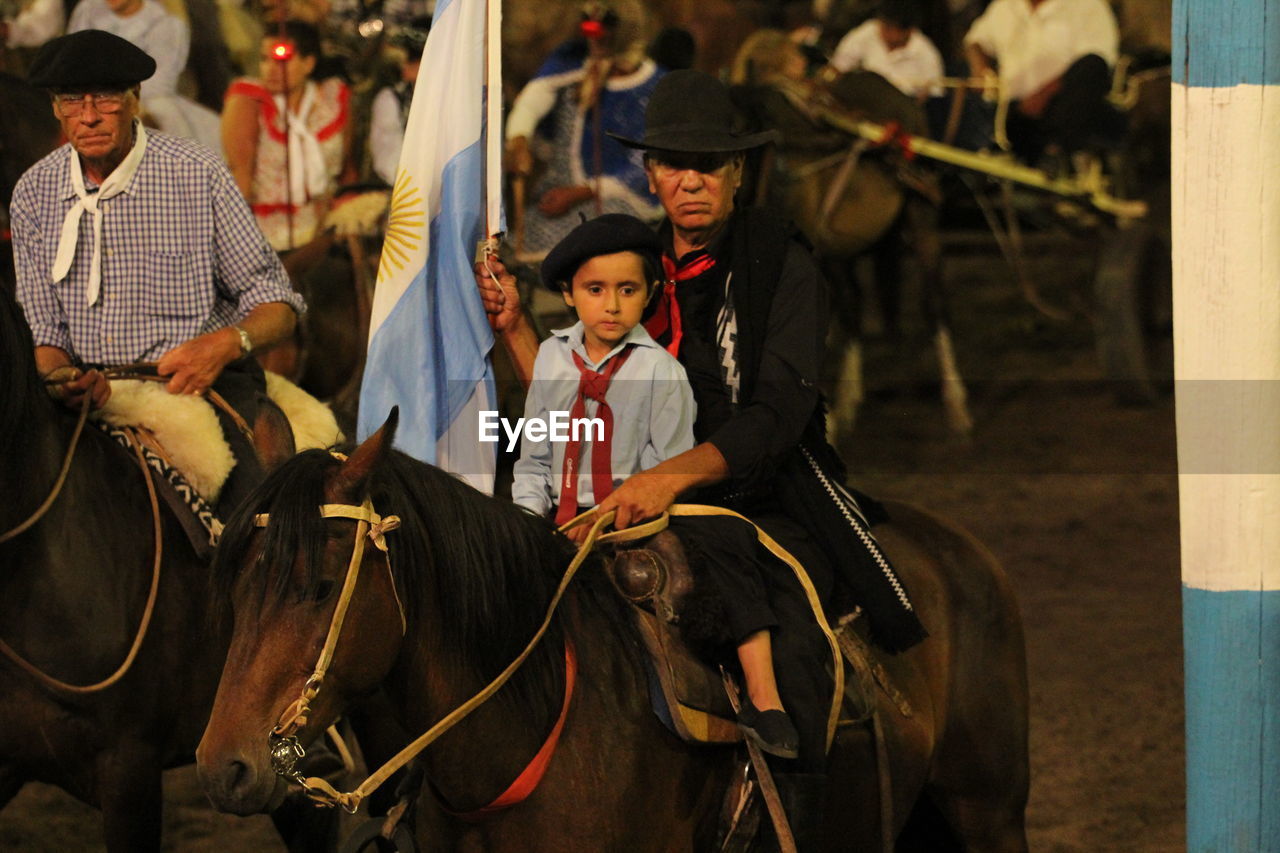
x=323 y=590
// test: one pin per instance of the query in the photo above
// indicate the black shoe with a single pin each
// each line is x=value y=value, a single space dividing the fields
x=771 y=730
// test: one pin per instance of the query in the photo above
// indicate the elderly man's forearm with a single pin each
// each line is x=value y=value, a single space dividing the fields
x=702 y=465
x=521 y=344
x=51 y=358
x=269 y=323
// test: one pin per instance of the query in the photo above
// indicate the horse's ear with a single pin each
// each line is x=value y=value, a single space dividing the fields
x=353 y=477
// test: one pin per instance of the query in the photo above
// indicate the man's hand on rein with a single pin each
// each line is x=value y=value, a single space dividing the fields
x=578 y=535
x=70 y=385
x=196 y=364
x=643 y=496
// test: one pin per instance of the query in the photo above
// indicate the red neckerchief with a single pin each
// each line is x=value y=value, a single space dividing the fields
x=591 y=385
x=666 y=314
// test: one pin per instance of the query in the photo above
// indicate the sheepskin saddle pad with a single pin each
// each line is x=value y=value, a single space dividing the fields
x=187 y=427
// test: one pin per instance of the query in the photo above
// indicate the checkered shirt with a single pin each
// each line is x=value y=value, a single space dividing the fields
x=181 y=256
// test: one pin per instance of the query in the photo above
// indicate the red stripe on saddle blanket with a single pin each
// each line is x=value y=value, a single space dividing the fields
x=528 y=780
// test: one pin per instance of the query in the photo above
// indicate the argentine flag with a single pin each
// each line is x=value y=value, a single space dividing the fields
x=429 y=340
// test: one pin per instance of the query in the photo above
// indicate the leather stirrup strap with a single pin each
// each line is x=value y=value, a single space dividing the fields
x=768 y=787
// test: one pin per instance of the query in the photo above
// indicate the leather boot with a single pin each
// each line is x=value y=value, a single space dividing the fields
x=804 y=799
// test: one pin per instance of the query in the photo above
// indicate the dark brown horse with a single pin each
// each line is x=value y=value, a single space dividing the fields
x=72 y=591
x=28 y=131
x=475 y=575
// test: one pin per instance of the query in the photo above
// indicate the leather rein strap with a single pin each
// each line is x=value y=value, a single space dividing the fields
x=284 y=745
x=148 y=611
x=142 y=371
x=130 y=371
x=59 y=482
x=368 y=525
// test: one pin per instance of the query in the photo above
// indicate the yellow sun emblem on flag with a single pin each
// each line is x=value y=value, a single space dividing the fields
x=404 y=226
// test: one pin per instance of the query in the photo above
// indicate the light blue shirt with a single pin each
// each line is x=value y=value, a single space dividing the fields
x=651 y=401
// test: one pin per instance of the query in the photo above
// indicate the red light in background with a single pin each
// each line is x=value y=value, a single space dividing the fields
x=283 y=51
x=592 y=29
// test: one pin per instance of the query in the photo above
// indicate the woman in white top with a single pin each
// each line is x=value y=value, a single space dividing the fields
x=167 y=40
x=34 y=24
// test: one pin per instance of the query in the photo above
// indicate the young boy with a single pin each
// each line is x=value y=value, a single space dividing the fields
x=605 y=366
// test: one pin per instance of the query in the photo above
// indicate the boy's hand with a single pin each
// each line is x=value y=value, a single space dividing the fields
x=578 y=535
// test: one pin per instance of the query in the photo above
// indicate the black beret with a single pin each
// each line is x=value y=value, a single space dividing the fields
x=89 y=59
x=604 y=235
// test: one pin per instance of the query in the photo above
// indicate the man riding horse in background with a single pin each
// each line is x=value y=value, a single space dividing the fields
x=135 y=246
x=744 y=310
x=1054 y=59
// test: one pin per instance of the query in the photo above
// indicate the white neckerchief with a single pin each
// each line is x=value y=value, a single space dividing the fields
x=115 y=184
x=307 y=172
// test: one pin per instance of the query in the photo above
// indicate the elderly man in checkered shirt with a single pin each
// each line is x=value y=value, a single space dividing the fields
x=135 y=246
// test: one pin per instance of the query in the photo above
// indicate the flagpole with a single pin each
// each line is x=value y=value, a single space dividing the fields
x=493 y=121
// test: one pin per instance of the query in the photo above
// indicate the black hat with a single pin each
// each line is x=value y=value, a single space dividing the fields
x=604 y=235
x=690 y=111
x=87 y=59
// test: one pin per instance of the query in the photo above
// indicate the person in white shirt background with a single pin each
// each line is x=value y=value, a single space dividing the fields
x=35 y=23
x=148 y=26
x=390 y=108
x=891 y=45
x=1053 y=60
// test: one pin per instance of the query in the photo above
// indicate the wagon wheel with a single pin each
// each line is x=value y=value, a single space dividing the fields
x=1131 y=310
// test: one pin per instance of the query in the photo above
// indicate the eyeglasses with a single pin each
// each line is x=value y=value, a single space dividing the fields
x=669 y=162
x=104 y=102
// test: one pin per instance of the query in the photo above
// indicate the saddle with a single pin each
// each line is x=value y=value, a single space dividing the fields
x=687 y=691
x=183 y=443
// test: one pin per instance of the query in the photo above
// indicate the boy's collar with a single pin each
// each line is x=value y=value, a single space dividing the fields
x=573 y=336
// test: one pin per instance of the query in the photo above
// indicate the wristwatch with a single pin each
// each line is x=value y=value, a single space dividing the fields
x=246 y=345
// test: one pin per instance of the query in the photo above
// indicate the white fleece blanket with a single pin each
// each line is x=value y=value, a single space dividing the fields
x=188 y=428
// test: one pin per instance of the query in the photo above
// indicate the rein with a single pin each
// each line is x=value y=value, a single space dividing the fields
x=140 y=371
x=285 y=747
x=58 y=483
x=149 y=610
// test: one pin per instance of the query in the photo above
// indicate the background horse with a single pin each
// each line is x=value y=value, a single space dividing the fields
x=850 y=200
x=28 y=131
x=475 y=574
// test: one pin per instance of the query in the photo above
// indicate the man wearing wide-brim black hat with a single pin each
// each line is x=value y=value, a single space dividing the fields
x=744 y=309
x=131 y=245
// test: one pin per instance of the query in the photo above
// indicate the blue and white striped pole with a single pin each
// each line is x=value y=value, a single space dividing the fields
x=1226 y=238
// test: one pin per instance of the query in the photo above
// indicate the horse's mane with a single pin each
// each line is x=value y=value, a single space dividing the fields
x=489 y=567
x=22 y=387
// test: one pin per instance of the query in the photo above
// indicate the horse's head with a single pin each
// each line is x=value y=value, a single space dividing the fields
x=306 y=548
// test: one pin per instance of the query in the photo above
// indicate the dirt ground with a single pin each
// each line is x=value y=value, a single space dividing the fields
x=1076 y=495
